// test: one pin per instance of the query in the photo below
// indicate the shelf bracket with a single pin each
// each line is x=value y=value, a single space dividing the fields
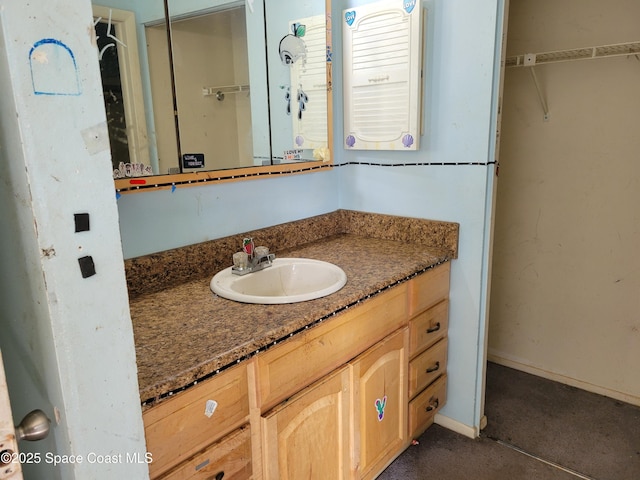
x=530 y=61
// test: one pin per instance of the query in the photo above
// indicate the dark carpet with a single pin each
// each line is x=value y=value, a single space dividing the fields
x=537 y=429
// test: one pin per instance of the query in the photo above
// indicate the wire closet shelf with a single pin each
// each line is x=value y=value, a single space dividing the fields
x=586 y=53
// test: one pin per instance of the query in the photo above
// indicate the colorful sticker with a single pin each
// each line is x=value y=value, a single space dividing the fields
x=350 y=141
x=409 y=5
x=380 y=406
x=407 y=140
x=350 y=17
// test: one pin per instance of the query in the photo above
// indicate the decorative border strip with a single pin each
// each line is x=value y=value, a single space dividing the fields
x=256 y=174
x=153 y=400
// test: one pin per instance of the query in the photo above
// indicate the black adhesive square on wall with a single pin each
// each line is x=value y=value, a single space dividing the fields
x=87 y=267
x=82 y=222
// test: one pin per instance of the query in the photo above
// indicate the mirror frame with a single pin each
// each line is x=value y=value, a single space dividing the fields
x=172 y=181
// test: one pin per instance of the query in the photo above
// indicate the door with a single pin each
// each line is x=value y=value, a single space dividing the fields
x=380 y=402
x=308 y=436
x=10 y=468
x=492 y=186
x=65 y=331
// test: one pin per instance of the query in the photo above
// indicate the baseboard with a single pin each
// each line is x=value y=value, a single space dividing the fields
x=455 y=426
x=518 y=364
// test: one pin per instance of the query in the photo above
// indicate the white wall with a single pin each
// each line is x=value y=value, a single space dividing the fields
x=566 y=276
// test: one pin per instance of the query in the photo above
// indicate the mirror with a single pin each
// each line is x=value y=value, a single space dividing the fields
x=297 y=59
x=248 y=85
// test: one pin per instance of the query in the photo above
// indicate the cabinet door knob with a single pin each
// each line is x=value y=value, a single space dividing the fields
x=435 y=328
x=435 y=368
x=219 y=476
x=433 y=405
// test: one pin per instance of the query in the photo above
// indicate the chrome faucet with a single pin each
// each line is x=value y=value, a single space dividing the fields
x=251 y=259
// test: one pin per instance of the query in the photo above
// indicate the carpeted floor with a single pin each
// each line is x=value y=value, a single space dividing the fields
x=537 y=430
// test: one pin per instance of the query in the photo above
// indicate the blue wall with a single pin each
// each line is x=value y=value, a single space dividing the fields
x=460 y=91
x=460 y=128
x=161 y=220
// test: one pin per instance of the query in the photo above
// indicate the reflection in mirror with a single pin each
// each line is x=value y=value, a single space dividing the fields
x=297 y=53
x=122 y=91
x=211 y=72
x=214 y=108
x=209 y=87
x=167 y=146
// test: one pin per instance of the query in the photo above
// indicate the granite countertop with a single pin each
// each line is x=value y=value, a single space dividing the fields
x=184 y=333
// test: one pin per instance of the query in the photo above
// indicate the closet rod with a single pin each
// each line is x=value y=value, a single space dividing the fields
x=586 y=53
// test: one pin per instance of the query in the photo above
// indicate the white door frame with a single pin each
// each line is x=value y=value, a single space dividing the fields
x=66 y=333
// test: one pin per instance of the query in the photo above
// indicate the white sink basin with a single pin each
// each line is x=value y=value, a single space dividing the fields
x=288 y=280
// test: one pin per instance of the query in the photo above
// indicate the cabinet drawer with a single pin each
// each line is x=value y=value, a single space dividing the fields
x=180 y=427
x=424 y=407
x=429 y=288
x=229 y=458
x=428 y=327
x=287 y=368
x=428 y=366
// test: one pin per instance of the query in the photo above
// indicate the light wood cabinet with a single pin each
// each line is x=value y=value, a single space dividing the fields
x=429 y=312
x=228 y=459
x=192 y=420
x=427 y=367
x=340 y=400
x=308 y=436
x=428 y=327
x=287 y=368
x=428 y=289
x=380 y=404
x=425 y=405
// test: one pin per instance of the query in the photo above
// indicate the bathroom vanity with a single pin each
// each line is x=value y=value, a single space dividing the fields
x=335 y=387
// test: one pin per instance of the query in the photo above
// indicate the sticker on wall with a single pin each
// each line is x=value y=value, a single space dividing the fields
x=380 y=406
x=53 y=68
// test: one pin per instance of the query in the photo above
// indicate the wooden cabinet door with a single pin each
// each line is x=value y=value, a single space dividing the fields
x=380 y=393
x=308 y=436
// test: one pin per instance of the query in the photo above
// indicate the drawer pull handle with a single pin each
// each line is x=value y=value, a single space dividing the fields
x=433 y=329
x=435 y=368
x=218 y=476
x=433 y=405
